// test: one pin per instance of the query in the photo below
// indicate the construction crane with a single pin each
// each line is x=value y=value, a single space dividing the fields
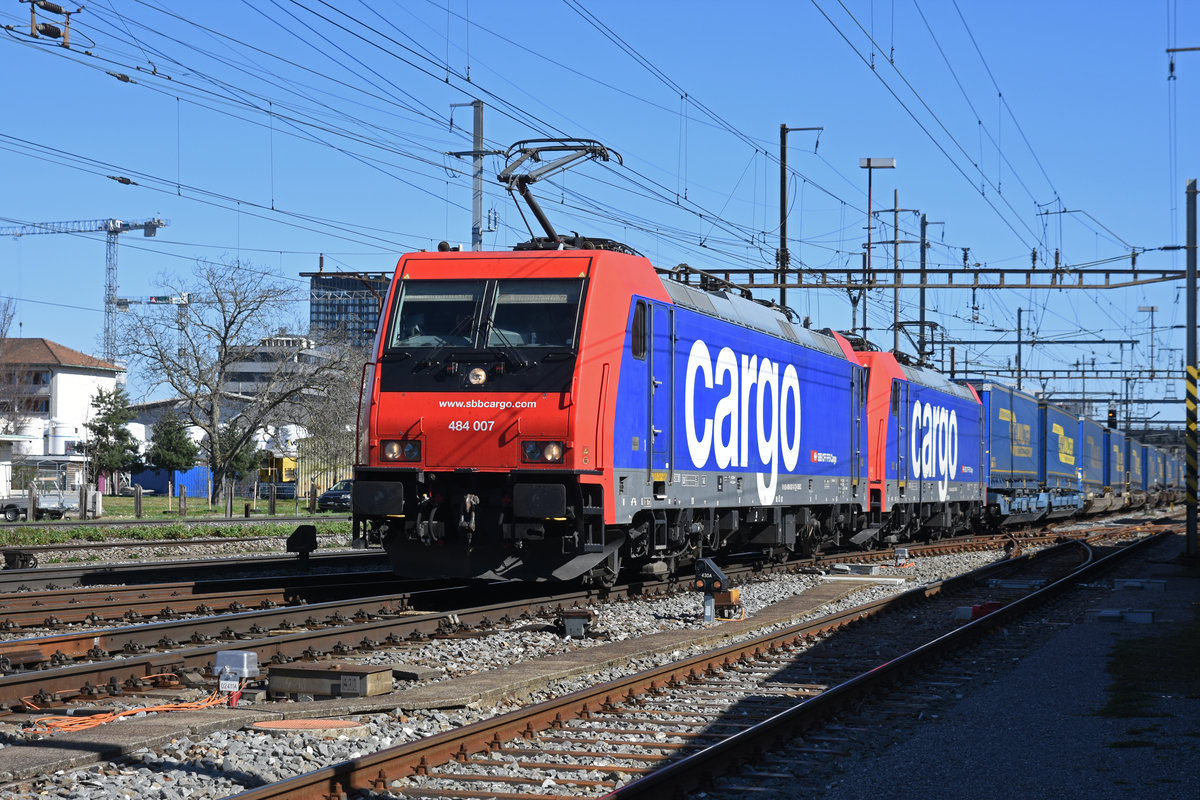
x=110 y=227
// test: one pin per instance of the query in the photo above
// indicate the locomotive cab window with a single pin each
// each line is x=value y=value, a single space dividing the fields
x=437 y=314
x=638 y=334
x=535 y=313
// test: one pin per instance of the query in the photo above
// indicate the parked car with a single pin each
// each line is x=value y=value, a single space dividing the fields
x=283 y=491
x=337 y=498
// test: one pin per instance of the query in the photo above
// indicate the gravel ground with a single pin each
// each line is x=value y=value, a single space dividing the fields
x=113 y=553
x=996 y=745
x=1036 y=729
x=225 y=763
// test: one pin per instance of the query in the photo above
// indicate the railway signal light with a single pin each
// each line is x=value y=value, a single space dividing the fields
x=709 y=578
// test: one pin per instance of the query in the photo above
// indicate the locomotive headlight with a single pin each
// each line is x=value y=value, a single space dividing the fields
x=406 y=450
x=542 y=452
x=477 y=376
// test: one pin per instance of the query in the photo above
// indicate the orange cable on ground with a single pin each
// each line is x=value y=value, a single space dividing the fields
x=66 y=724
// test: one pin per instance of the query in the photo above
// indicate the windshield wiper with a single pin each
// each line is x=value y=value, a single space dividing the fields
x=435 y=357
x=509 y=353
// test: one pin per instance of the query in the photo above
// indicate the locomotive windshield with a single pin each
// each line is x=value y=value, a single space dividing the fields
x=522 y=331
x=525 y=313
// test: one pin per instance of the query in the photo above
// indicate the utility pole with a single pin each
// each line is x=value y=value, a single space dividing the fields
x=782 y=259
x=477 y=153
x=896 y=269
x=1150 y=309
x=924 y=277
x=895 y=242
x=922 y=344
x=870 y=165
x=1019 y=312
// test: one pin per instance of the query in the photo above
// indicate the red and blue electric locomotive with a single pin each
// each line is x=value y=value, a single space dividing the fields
x=552 y=414
x=566 y=410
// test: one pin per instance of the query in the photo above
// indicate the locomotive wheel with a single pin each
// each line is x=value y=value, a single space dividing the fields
x=610 y=570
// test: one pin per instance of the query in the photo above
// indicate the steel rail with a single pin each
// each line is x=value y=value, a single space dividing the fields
x=692 y=772
x=373 y=773
x=58 y=577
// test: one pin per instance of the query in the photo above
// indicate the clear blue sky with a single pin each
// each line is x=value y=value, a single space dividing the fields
x=271 y=132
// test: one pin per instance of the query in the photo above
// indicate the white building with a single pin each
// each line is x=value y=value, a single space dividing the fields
x=266 y=367
x=46 y=393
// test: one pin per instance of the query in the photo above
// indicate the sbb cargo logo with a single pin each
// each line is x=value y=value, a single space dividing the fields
x=934 y=445
x=762 y=396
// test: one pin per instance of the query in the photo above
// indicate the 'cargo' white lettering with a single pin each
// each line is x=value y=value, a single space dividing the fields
x=933 y=445
x=725 y=433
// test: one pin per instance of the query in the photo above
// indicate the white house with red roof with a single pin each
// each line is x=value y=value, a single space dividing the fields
x=46 y=392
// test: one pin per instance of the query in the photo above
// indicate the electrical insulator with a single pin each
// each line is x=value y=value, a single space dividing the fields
x=53 y=8
x=49 y=31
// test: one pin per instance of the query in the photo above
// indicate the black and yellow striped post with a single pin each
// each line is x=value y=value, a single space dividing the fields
x=1193 y=541
x=1193 y=398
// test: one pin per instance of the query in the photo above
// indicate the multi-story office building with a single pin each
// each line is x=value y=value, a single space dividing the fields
x=347 y=303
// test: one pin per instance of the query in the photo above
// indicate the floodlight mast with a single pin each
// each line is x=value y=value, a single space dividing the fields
x=533 y=150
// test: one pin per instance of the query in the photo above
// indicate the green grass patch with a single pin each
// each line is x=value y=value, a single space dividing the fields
x=1146 y=668
x=17 y=535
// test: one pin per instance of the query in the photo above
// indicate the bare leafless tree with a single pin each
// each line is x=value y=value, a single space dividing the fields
x=328 y=449
x=228 y=316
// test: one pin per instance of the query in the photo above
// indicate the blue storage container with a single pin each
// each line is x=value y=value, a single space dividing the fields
x=1013 y=447
x=1134 y=465
x=1091 y=456
x=1011 y=435
x=159 y=481
x=1059 y=468
x=1058 y=465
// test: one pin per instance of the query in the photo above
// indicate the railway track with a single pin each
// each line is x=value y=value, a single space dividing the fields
x=22 y=557
x=667 y=731
x=180 y=627
x=156 y=571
